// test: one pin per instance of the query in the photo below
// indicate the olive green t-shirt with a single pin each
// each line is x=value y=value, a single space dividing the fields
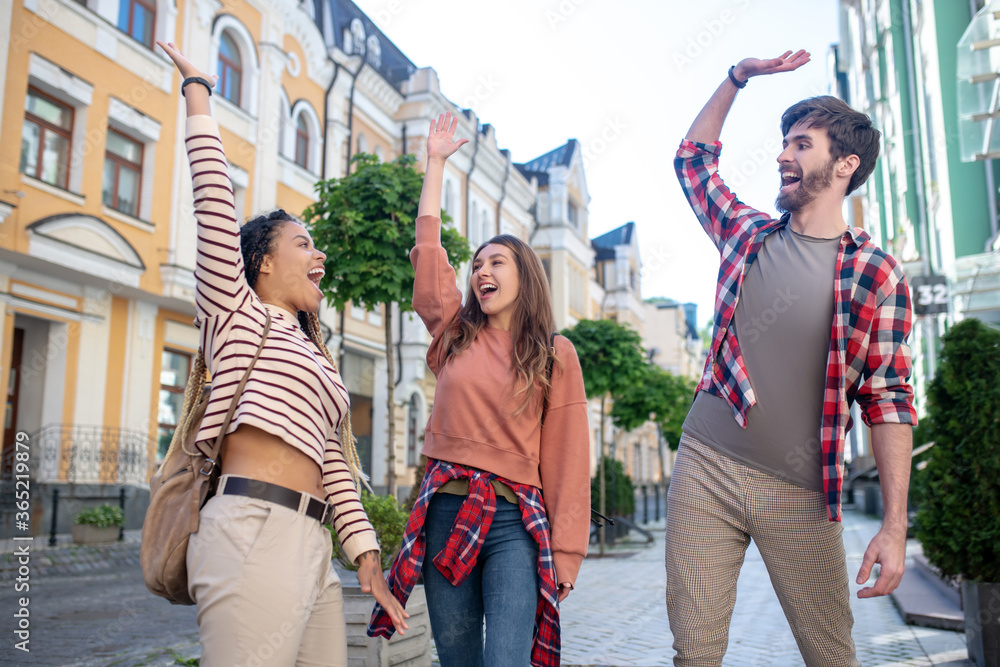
x=783 y=321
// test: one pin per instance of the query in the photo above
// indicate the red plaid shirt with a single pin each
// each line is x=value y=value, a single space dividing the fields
x=869 y=358
x=459 y=555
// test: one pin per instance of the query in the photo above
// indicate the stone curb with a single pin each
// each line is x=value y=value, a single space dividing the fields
x=68 y=558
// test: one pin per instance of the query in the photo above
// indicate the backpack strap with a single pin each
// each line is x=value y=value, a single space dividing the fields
x=212 y=455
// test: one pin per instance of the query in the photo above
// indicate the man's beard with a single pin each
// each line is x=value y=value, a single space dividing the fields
x=809 y=186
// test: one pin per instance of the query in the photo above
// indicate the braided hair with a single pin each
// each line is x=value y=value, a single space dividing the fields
x=257 y=238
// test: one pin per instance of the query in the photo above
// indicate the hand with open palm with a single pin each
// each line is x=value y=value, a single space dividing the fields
x=786 y=62
x=184 y=65
x=441 y=142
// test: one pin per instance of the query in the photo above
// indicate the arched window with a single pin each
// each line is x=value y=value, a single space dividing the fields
x=358 y=36
x=447 y=198
x=379 y=153
x=362 y=143
x=374 y=52
x=302 y=142
x=230 y=69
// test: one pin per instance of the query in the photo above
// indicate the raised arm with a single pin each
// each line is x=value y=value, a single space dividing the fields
x=436 y=297
x=696 y=163
x=221 y=283
x=707 y=126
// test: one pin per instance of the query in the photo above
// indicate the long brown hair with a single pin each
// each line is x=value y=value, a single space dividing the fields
x=531 y=324
x=257 y=237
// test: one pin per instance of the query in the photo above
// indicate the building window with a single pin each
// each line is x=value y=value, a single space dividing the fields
x=174 y=371
x=412 y=425
x=230 y=68
x=487 y=228
x=137 y=18
x=45 y=139
x=448 y=205
x=302 y=142
x=122 y=173
x=572 y=215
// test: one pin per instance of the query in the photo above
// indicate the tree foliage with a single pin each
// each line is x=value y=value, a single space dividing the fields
x=611 y=356
x=389 y=521
x=659 y=396
x=958 y=520
x=364 y=223
x=621 y=491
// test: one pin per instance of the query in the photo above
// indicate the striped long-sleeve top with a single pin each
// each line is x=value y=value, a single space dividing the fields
x=293 y=392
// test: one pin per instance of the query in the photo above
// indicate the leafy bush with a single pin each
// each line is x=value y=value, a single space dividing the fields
x=618 y=488
x=101 y=517
x=958 y=520
x=388 y=519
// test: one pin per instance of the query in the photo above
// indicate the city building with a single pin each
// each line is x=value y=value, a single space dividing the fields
x=97 y=243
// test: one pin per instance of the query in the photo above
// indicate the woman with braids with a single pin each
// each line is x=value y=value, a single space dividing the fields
x=501 y=524
x=259 y=566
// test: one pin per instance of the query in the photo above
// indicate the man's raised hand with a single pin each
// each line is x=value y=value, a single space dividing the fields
x=786 y=62
x=441 y=142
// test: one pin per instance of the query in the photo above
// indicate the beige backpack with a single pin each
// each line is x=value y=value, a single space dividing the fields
x=177 y=492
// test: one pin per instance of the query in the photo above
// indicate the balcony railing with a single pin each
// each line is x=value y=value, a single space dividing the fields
x=78 y=454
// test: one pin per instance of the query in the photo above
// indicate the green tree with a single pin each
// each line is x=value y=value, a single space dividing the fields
x=621 y=501
x=611 y=358
x=364 y=223
x=659 y=396
x=958 y=517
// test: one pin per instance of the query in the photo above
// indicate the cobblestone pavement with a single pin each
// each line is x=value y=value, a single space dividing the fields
x=89 y=608
x=617 y=614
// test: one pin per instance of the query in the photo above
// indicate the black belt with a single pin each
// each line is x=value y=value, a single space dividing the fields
x=279 y=495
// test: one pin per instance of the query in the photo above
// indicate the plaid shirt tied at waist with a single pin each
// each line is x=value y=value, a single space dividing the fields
x=869 y=358
x=460 y=553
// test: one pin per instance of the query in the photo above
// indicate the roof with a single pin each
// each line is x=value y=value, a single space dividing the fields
x=395 y=67
x=605 y=244
x=540 y=166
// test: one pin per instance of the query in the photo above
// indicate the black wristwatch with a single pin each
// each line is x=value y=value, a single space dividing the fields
x=736 y=82
x=196 y=79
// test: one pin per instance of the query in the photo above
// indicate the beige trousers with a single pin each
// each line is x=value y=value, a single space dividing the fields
x=715 y=506
x=267 y=594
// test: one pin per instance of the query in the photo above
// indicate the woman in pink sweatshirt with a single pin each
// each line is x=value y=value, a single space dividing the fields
x=503 y=511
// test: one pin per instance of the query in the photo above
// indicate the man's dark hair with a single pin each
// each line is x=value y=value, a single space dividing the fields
x=851 y=132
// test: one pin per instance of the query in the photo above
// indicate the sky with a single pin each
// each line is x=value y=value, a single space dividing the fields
x=626 y=78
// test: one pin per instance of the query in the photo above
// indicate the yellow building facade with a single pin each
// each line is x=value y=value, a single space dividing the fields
x=97 y=233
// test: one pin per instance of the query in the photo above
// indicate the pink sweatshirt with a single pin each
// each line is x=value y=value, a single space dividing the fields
x=472 y=421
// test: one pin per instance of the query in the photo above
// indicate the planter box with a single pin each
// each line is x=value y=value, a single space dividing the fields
x=84 y=534
x=413 y=650
x=981 y=605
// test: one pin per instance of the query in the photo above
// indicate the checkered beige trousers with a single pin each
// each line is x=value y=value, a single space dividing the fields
x=715 y=506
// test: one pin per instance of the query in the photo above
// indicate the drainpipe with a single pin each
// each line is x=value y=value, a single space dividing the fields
x=326 y=113
x=468 y=178
x=350 y=117
x=503 y=192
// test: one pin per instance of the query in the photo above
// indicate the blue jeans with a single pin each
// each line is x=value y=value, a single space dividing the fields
x=503 y=587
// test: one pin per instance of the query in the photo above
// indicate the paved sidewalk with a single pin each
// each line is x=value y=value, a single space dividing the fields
x=617 y=614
